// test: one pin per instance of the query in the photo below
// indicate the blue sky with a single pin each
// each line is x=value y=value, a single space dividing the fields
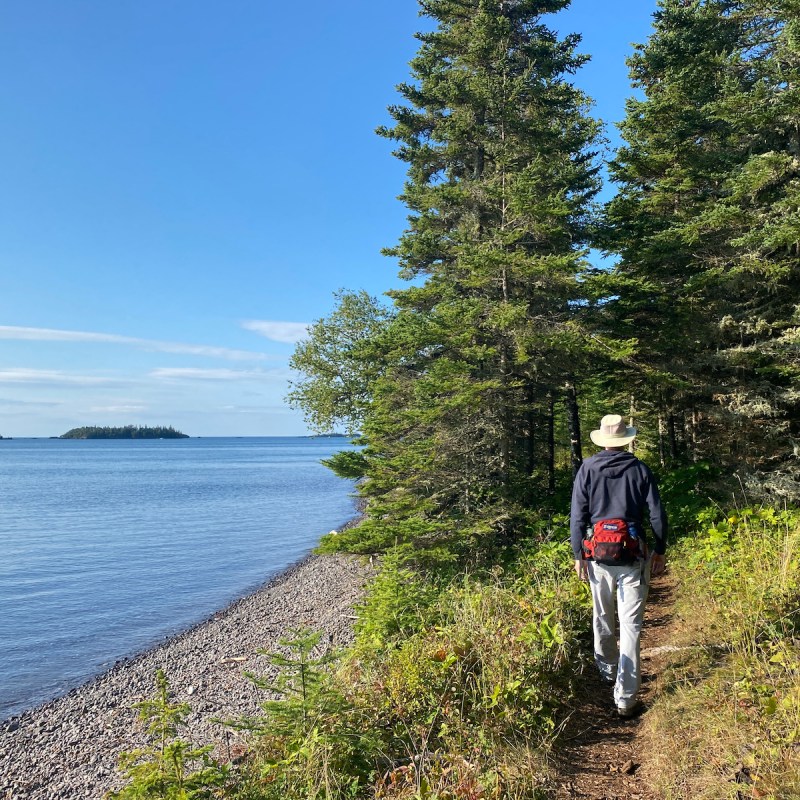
x=186 y=183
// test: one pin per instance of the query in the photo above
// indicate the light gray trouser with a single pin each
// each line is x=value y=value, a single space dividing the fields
x=623 y=588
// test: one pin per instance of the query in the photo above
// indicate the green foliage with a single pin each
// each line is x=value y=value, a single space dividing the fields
x=732 y=706
x=750 y=564
x=350 y=464
x=705 y=222
x=485 y=670
x=170 y=768
x=397 y=603
x=685 y=491
x=339 y=363
x=310 y=741
x=126 y=432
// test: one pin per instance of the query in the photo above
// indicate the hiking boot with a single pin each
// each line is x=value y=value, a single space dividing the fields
x=629 y=712
x=608 y=672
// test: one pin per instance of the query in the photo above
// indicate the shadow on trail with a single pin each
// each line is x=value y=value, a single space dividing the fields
x=598 y=754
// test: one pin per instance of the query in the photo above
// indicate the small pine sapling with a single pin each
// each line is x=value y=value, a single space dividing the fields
x=165 y=770
x=310 y=743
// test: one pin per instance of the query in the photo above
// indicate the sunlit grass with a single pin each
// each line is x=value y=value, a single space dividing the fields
x=727 y=721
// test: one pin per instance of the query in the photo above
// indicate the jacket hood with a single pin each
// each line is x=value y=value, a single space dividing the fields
x=612 y=463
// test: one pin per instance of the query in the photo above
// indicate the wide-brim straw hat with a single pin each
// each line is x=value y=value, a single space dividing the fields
x=613 y=432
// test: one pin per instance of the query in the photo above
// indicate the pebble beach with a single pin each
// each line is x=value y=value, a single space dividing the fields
x=69 y=747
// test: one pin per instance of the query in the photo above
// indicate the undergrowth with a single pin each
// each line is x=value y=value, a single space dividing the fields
x=465 y=700
x=455 y=681
x=449 y=691
x=727 y=721
x=459 y=676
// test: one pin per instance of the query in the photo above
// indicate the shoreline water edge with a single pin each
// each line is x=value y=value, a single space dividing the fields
x=69 y=747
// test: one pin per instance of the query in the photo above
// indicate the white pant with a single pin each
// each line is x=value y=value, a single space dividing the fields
x=624 y=588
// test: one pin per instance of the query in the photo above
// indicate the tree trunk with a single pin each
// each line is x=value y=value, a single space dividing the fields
x=551 y=445
x=661 y=444
x=673 y=441
x=632 y=445
x=693 y=434
x=574 y=425
x=530 y=436
x=505 y=420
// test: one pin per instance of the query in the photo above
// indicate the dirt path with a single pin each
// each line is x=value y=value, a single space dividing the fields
x=598 y=756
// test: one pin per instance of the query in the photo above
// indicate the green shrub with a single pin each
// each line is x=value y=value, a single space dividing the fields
x=310 y=740
x=165 y=770
x=478 y=673
x=729 y=711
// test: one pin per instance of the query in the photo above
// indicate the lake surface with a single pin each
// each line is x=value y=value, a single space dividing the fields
x=108 y=546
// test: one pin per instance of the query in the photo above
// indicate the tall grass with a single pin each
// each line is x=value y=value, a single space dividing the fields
x=727 y=721
x=466 y=697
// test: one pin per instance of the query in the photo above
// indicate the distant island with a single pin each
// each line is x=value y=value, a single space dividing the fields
x=126 y=432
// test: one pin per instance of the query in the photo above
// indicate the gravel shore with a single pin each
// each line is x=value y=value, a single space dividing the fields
x=68 y=748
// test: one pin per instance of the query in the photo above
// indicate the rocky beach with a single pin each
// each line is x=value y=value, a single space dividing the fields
x=69 y=747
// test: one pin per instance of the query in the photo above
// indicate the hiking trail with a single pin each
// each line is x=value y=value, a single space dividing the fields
x=598 y=756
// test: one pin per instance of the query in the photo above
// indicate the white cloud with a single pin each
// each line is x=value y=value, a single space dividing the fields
x=54 y=378
x=257 y=409
x=120 y=409
x=288 y=332
x=8 y=402
x=192 y=373
x=54 y=335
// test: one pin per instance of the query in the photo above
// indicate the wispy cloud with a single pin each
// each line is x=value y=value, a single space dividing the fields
x=120 y=409
x=8 y=402
x=54 y=378
x=54 y=335
x=192 y=373
x=257 y=409
x=288 y=332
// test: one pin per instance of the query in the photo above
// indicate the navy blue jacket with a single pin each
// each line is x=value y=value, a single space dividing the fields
x=615 y=485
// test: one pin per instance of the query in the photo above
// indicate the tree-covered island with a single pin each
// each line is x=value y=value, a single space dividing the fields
x=125 y=432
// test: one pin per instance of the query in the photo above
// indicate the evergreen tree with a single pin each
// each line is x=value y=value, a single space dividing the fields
x=686 y=280
x=673 y=164
x=757 y=273
x=501 y=175
x=706 y=223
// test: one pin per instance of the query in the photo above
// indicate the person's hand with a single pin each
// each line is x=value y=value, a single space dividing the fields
x=657 y=565
x=581 y=568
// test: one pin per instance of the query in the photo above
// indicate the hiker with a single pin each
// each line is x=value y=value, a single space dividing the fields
x=609 y=497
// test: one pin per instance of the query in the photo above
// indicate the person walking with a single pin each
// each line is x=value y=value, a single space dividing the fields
x=611 y=492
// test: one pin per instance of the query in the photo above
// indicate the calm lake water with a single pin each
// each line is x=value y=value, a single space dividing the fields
x=108 y=546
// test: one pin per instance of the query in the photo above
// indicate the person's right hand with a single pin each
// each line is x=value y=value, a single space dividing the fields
x=658 y=564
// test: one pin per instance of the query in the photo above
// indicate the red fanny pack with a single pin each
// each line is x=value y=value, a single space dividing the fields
x=613 y=542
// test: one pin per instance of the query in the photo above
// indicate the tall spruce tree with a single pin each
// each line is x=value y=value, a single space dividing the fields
x=706 y=225
x=674 y=164
x=501 y=175
x=757 y=273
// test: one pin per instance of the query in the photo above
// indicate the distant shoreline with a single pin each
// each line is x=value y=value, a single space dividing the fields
x=187 y=436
